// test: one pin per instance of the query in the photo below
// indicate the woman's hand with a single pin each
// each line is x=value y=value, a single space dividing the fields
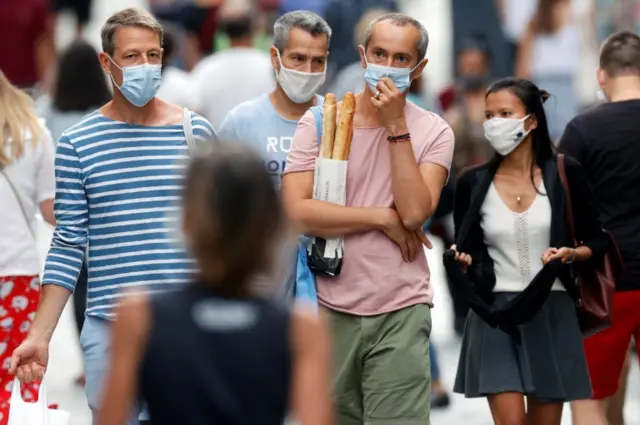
x=465 y=260
x=565 y=254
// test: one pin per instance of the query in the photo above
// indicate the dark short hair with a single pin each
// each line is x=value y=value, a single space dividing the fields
x=81 y=83
x=171 y=39
x=620 y=54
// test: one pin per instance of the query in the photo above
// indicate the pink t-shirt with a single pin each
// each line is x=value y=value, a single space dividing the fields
x=374 y=278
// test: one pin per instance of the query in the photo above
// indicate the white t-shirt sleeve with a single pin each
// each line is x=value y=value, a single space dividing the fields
x=45 y=175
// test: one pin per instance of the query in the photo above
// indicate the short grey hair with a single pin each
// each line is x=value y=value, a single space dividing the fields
x=303 y=19
x=401 y=20
x=131 y=17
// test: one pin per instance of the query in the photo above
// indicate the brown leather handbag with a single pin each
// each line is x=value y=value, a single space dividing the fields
x=595 y=282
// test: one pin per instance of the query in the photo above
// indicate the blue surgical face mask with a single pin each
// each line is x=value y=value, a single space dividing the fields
x=140 y=83
x=401 y=77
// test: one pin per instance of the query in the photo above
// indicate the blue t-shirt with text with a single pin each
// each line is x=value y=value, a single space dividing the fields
x=256 y=123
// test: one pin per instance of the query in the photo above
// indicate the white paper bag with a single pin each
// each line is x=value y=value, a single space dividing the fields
x=330 y=185
x=22 y=413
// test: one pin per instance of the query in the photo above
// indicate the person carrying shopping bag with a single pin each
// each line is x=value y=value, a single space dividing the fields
x=26 y=185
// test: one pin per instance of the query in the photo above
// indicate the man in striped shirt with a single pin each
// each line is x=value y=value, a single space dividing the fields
x=119 y=176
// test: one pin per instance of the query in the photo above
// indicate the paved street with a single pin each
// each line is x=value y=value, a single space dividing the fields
x=66 y=364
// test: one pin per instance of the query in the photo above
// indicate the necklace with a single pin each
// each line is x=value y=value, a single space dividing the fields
x=518 y=200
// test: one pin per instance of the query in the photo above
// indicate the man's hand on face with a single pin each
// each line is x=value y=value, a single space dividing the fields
x=390 y=104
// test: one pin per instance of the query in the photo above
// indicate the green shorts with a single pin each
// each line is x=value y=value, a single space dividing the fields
x=381 y=367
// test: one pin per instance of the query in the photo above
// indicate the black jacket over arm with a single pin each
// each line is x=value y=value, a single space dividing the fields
x=477 y=284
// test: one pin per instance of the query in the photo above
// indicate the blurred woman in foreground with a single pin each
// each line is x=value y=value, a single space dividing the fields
x=214 y=352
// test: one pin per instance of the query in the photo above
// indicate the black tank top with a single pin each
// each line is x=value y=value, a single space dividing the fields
x=214 y=360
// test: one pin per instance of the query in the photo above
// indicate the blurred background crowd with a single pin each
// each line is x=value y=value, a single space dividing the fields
x=216 y=53
x=217 y=56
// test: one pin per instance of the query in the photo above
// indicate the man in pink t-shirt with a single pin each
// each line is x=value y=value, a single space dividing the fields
x=379 y=305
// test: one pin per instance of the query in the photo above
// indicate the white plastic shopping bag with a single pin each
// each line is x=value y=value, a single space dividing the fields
x=22 y=413
x=329 y=185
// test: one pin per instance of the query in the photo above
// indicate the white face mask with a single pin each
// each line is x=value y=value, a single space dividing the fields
x=600 y=96
x=300 y=87
x=505 y=134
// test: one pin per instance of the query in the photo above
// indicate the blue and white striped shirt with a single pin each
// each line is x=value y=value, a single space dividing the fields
x=118 y=188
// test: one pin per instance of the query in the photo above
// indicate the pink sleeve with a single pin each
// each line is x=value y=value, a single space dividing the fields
x=304 y=148
x=439 y=148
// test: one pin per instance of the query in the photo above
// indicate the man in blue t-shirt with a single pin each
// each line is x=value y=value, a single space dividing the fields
x=267 y=123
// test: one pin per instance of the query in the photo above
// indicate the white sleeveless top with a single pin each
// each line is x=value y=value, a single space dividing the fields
x=516 y=241
x=558 y=53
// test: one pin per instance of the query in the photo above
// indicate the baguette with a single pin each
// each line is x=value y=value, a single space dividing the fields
x=344 y=132
x=329 y=113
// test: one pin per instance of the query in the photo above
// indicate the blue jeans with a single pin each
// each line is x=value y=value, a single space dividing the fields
x=95 y=340
x=435 y=367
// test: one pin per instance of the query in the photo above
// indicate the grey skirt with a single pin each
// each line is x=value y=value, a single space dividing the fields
x=548 y=362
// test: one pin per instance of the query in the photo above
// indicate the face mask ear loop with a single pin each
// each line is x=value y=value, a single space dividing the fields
x=111 y=75
x=280 y=61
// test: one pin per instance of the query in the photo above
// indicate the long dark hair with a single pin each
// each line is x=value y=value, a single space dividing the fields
x=235 y=217
x=533 y=99
x=81 y=83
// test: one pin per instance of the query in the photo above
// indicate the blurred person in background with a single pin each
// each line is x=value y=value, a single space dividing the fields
x=464 y=104
x=515 y=16
x=466 y=114
x=380 y=304
x=550 y=55
x=81 y=10
x=118 y=174
x=248 y=361
x=267 y=123
x=228 y=78
x=614 y=16
x=606 y=141
x=26 y=185
x=80 y=87
x=199 y=18
x=473 y=64
x=316 y=6
x=176 y=84
x=510 y=217
x=27 y=52
x=343 y=17
x=351 y=77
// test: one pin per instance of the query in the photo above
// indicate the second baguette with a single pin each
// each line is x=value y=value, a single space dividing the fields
x=344 y=131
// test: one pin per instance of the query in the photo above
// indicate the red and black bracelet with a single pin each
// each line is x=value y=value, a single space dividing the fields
x=400 y=138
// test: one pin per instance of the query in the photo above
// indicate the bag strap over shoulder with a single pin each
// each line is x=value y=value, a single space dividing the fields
x=562 y=173
x=20 y=204
x=317 y=116
x=188 y=131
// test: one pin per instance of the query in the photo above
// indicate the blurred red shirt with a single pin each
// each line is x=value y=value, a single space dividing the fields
x=23 y=23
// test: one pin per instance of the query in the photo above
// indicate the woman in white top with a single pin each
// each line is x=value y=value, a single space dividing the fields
x=513 y=241
x=26 y=185
x=550 y=55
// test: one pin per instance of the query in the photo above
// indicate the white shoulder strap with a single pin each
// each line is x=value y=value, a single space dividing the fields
x=188 y=131
x=20 y=204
